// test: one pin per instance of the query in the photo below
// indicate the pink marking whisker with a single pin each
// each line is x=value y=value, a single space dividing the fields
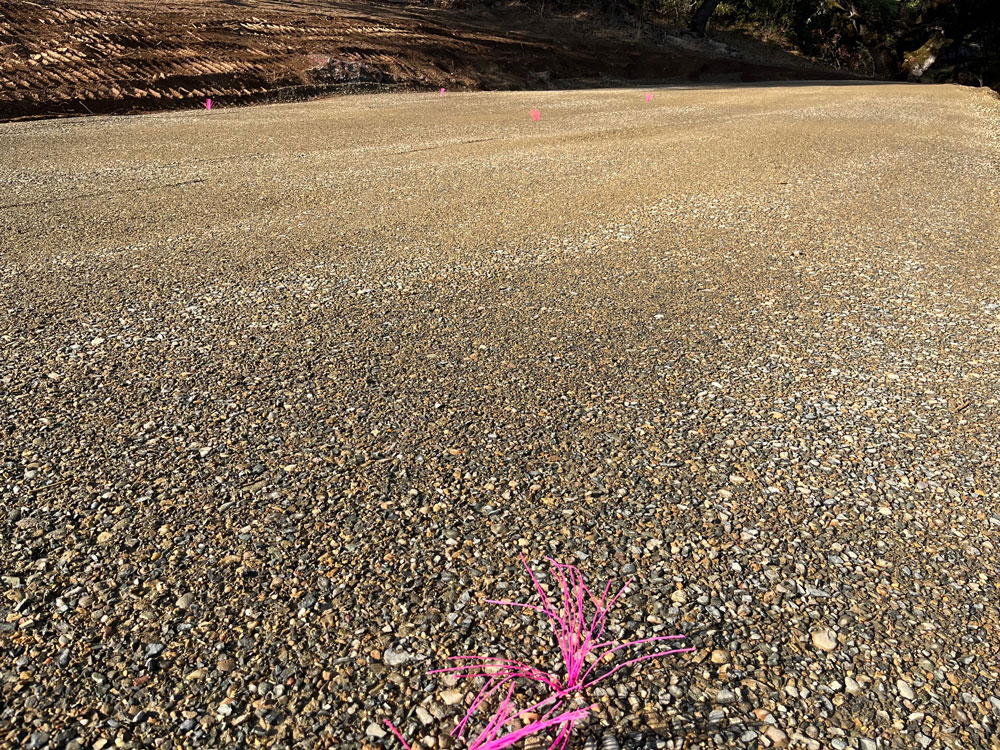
x=578 y=618
x=399 y=735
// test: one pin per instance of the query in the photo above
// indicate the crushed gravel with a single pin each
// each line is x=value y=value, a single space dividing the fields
x=284 y=391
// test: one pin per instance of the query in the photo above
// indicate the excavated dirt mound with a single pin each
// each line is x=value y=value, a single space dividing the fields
x=111 y=56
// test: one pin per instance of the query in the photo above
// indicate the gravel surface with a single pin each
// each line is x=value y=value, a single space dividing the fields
x=285 y=390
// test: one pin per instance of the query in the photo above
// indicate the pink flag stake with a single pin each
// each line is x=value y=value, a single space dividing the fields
x=442 y=91
x=649 y=97
x=208 y=104
x=535 y=114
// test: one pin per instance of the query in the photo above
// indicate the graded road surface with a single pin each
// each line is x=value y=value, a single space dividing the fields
x=285 y=390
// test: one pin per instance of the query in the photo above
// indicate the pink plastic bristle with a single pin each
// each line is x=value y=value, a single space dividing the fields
x=399 y=735
x=583 y=652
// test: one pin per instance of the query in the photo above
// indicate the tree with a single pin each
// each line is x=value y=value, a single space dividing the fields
x=699 y=22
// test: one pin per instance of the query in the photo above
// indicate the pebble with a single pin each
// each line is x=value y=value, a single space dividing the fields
x=719 y=656
x=396 y=658
x=726 y=697
x=226 y=664
x=824 y=639
x=776 y=736
x=905 y=691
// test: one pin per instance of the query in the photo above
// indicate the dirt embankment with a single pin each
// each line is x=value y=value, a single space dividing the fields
x=112 y=56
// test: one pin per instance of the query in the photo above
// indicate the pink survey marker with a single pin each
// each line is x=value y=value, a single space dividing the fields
x=578 y=619
x=208 y=104
x=535 y=114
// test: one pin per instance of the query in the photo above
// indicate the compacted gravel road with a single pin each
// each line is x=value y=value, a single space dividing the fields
x=284 y=391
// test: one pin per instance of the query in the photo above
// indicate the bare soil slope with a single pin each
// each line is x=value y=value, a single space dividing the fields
x=109 y=56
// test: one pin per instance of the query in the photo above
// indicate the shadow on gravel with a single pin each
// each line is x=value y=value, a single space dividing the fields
x=686 y=731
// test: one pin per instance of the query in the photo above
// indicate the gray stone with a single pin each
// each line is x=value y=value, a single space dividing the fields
x=905 y=691
x=726 y=697
x=397 y=658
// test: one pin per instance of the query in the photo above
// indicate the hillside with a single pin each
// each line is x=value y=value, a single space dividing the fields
x=110 y=56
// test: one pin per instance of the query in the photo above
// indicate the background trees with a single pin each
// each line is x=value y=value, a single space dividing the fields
x=954 y=40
